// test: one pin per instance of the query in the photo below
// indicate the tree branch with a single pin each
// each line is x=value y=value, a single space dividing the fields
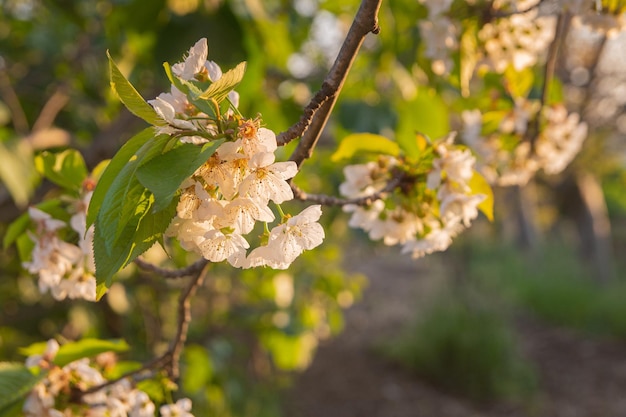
x=172 y=273
x=499 y=14
x=562 y=25
x=328 y=200
x=51 y=108
x=20 y=122
x=169 y=361
x=365 y=21
x=296 y=130
x=184 y=319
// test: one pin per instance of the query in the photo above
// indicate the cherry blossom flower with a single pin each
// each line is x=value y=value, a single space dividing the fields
x=440 y=37
x=194 y=62
x=437 y=240
x=181 y=408
x=217 y=246
x=241 y=214
x=267 y=180
x=453 y=164
x=288 y=240
x=518 y=39
x=561 y=140
x=43 y=360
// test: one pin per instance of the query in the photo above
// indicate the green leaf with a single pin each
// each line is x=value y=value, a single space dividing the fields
x=492 y=120
x=102 y=288
x=130 y=97
x=229 y=80
x=163 y=174
x=364 y=142
x=88 y=348
x=121 y=368
x=73 y=351
x=113 y=255
x=66 y=169
x=16 y=381
x=13 y=410
x=479 y=185
x=519 y=83
x=19 y=225
x=140 y=233
x=113 y=169
x=17 y=170
x=289 y=352
x=555 y=92
x=25 y=246
x=428 y=114
x=97 y=172
x=125 y=224
x=151 y=228
x=125 y=193
x=198 y=368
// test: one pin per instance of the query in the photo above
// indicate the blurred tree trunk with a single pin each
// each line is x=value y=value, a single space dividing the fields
x=582 y=199
x=520 y=220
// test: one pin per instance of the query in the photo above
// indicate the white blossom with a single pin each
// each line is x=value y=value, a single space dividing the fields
x=288 y=240
x=267 y=180
x=561 y=140
x=518 y=39
x=440 y=37
x=452 y=164
x=194 y=62
x=217 y=246
x=181 y=408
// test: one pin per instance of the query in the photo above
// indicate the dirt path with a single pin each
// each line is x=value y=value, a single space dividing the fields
x=577 y=376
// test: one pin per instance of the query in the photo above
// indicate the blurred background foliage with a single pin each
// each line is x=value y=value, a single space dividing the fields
x=252 y=328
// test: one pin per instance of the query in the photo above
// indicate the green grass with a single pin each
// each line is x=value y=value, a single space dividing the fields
x=466 y=345
x=555 y=286
x=468 y=350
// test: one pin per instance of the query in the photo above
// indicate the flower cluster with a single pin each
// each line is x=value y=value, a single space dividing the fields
x=421 y=219
x=505 y=154
x=184 y=118
x=228 y=194
x=561 y=139
x=440 y=36
x=58 y=393
x=66 y=269
x=517 y=39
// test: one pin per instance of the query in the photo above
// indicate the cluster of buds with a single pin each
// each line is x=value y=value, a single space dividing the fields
x=65 y=391
x=427 y=212
x=505 y=154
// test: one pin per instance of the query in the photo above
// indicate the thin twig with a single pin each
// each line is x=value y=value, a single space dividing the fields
x=562 y=25
x=299 y=127
x=365 y=21
x=328 y=200
x=51 y=109
x=20 y=122
x=499 y=14
x=171 y=273
x=184 y=319
x=169 y=361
